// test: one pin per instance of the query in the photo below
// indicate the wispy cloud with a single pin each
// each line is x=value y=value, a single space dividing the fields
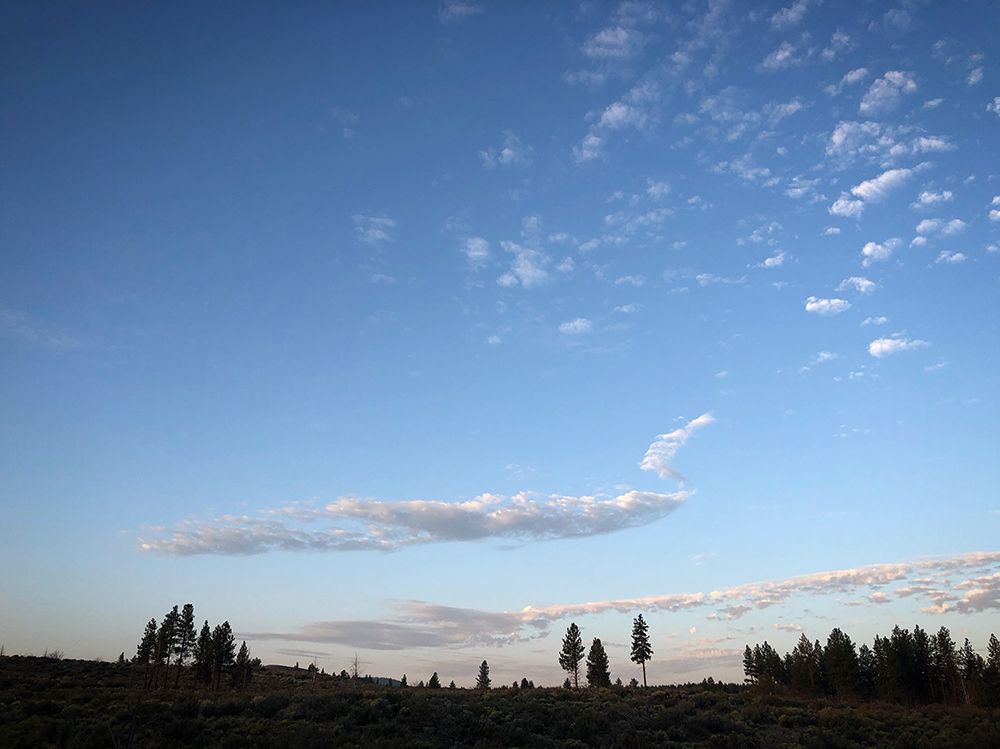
x=28 y=328
x=897 y=343
x=660 y=455
x=454 y=11
x=373 y=230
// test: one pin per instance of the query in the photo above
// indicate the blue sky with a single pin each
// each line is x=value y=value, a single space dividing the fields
x=370 y=327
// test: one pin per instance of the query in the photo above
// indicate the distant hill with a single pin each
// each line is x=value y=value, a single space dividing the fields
x=303 y=673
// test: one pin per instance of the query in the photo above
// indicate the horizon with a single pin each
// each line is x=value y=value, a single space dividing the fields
x=421 y=330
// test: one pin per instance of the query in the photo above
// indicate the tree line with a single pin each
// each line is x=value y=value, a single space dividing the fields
x=207 y=655
x=904 y=667
x=598 y=669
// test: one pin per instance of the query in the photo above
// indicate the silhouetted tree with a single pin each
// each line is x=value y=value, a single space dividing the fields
x=802 y=667
x=452 y=685
x=945 y=661
x=973 y=670
x=598 y=674
x=483 y=680
x=165 y=638
x=567 y=684
x=571 y=654
x=641 y=649
x=434 y=682
x=921 y=665
x=840 y=665
x=184 y=639
x=223 y=650
x=750 y=666
x=145 y=652
x=204 y=661
x=402 y=682
x=242 y=666
x=866 y=672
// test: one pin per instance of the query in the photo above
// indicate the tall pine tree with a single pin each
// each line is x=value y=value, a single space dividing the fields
x=204 y=660
x=144 y=653
x=571 y=654
x=598 y=674
x=483 y=680
x=641 y=649
x=184 y=640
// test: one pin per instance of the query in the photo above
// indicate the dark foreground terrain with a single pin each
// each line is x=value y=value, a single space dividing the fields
x=46 y=702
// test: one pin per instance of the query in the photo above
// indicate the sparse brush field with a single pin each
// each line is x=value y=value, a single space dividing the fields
x=45 y=702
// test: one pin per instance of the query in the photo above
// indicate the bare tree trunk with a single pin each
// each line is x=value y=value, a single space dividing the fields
x=644 y=674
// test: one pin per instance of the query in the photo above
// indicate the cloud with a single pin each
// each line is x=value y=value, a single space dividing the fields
x=885 y=93
x=660 y=455
x=929 y=198
x=780 y=59
x=578 y=326
x=634 y=110
x=791 y=16
x=883 y=347
x=27 y=328
x=965 y=583
x=940 y=226
x=826 y=307
x=477 y=252
x=613 y=43
x=994 y=106
x=877 y=320
x=590 y=148
x=995 y=212
x=373 y=230
x=859 y=283
x=975 y=77
x=347 y=120
x=527 y=269
x=877 y=252
x=455 y=11
x=950 y=258
x=511 y=153
x=710 y=279
x=878 y=188
x=774 y=261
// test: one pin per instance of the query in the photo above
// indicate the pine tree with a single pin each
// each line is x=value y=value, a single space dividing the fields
x=641 y=650
x=144 y=653
x=223 y=650
x=993 y=671
x=841 y=665
x=749 y=666
x=434 y=682
x=204 y=659
x=973 y=669
x=242 y=665
x=483 y=681
x=598 y=674
x=945 y=662
x=866 y=672
x=452 y=685
x=184 y=641
x=121 y=658
x=921 y=665
x=402 y=682
x=567 y=684
x=571 y=654
x=524 y=683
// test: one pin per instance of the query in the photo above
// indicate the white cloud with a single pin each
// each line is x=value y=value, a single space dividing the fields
x=933 y=103
x=826 y=307
x=995 y=212
x=627 y=308
x=876 y=252
x=879 y=320
x=454 y=11
x=846 y=207
x=578 y=326
x=929 y=198
x=27 y=328
x=791 y=16
x=373 y=230
x=994 y=106
x=660 y=455
x=885 y=93
x=951 y=258
x=477 y=252
x=347 y=120
x=932 y=144
x=859 y=283
x=940 y=226
x=630 y=281
x=774 y=261
x=657 y=190
x=614 y=43
x=527 y=269
x=592 y=147
x=877 y=188
x=882 y=347
x=975 y=76
x=511 y=153
x=780 y=59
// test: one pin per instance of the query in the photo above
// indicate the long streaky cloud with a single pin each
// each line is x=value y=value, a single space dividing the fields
x=965 y=584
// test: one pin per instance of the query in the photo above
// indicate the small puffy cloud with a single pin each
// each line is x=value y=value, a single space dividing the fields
x=578 y=326
x=347 y=120
x=454 y=11
x=940 y=226
x=975 y=77
x=859 y=283
x=614 y=43
x=950 y=258
x=477 y=252
x=511 y=153
x=527 y=269
x=826 y=307
x=660 y=455
x=774 y=261
x=877 y=188
x=932 y=144
x=373 y=230
x=883 y=347
x=930 y=198
x=657 y=190
x=885 y=93
x=877 y=252
x=831 y=231
x=627 y=309
x=878 y=320
x=847 y=207
x=630 y=281
x=995 y=211
x=780 y=59
x=493 y=340
x=994 y=106
x=566 y=265
x=793 y=15
x=590 y=148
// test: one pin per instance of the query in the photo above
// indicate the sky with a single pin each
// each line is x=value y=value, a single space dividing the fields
x=418 y=331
